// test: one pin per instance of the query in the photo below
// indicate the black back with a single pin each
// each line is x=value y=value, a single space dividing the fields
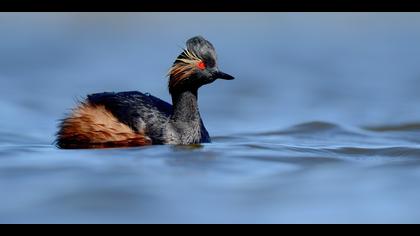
x=137 y=110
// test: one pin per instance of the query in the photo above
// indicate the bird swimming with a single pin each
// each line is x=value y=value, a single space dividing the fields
x=129 y=119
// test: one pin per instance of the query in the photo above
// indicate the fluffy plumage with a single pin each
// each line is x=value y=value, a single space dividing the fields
x=93 y=126
x=129 y=119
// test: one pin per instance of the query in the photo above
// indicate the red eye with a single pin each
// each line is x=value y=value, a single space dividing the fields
x=201 y=65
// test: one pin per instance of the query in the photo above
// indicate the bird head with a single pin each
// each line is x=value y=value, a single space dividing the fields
x=195 y=66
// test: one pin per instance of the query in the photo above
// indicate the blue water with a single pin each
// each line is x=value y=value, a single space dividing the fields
x=322 y=124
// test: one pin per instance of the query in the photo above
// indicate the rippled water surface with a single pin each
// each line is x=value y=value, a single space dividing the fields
x=321 y=125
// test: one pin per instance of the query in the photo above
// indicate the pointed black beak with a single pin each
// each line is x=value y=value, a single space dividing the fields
x=221 y=75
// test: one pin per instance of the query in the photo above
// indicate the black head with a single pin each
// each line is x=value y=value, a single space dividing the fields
x=195 y=66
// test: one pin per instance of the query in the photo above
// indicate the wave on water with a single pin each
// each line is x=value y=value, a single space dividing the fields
x=328 y=140
x=315 y=127
x=395 y=128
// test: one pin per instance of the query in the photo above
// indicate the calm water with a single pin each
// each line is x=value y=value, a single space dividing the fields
x=321 y=125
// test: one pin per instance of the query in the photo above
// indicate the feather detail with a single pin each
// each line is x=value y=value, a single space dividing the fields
x=184 y=67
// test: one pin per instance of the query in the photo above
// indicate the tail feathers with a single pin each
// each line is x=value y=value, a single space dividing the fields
x=93 y=126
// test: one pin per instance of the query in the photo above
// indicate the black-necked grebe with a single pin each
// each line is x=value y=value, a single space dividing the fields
x=130 y=119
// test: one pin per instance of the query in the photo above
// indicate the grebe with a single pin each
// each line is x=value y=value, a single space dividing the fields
x=129 y=119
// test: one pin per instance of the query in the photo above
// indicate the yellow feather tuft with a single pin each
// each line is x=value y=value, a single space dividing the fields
x=183 y=68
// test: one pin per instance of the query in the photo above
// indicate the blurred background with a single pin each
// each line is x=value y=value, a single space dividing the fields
x=313 y=92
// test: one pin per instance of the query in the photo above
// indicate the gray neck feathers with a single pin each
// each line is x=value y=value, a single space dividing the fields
x=186 y=119
x=185 y=107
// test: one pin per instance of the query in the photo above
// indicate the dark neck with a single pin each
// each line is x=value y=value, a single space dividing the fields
x=186 y=118
x=185 y=106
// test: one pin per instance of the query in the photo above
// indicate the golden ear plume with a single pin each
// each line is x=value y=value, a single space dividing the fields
x=183 y=67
